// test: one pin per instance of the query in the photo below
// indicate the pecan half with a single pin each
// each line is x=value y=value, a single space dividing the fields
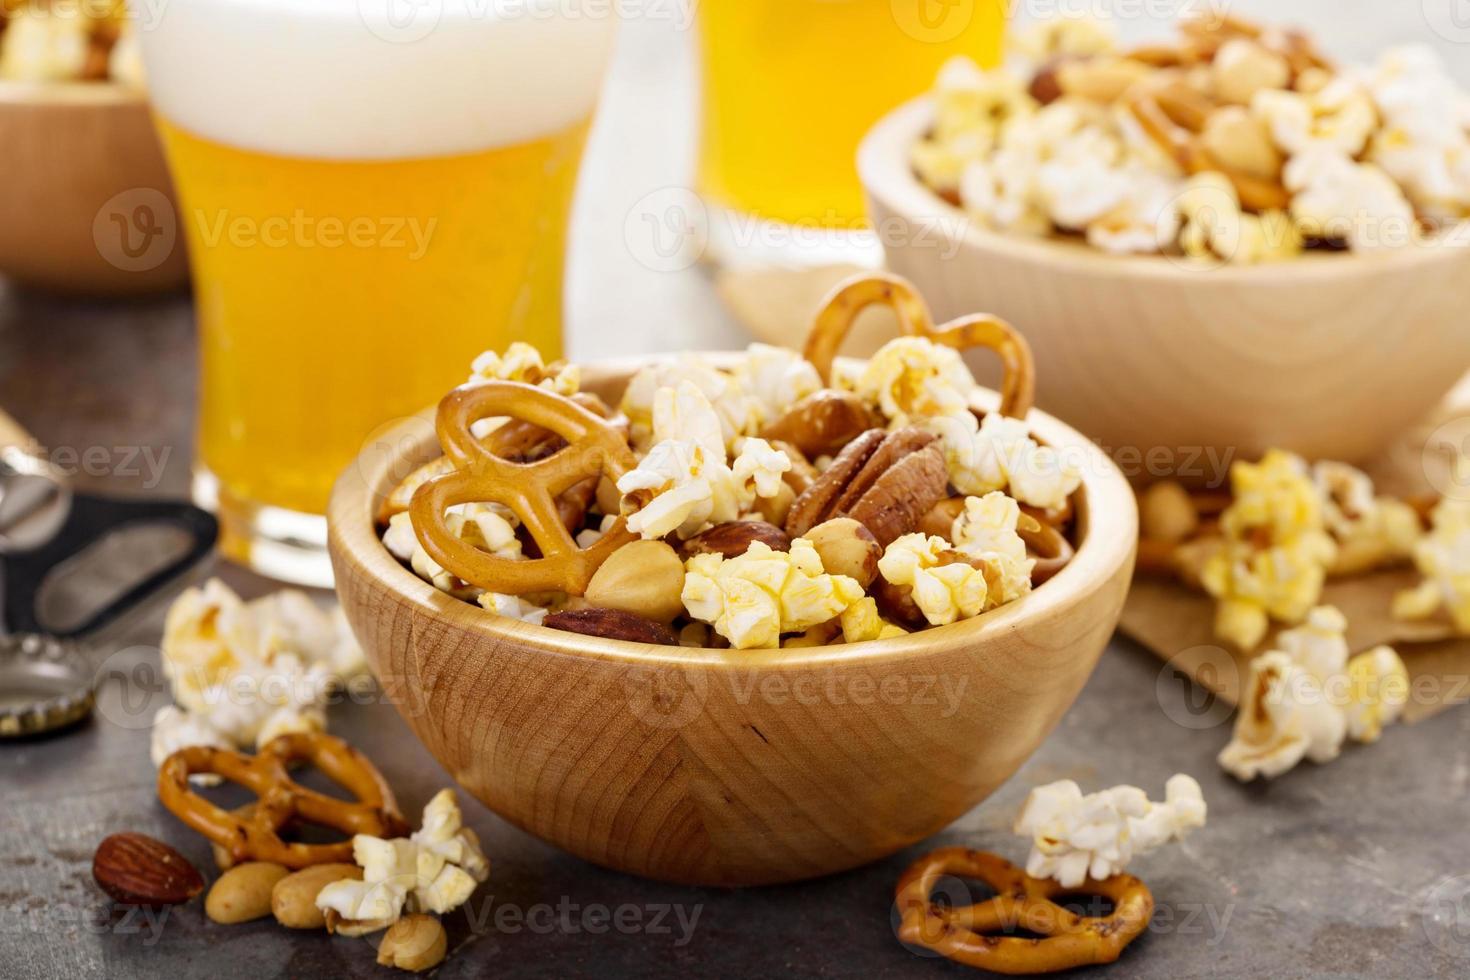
x=886 y=482
x=612 y=624
x=734 y=538
x=822 y=422
x=135 y=869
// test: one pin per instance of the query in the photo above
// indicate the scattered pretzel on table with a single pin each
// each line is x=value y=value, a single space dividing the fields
x=971 y=934
x=281 y=800
x=852 y=296
x=595 y=447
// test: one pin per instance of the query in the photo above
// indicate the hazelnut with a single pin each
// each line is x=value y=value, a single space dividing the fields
x=414 y=943
x=1167 y=514
x=1241 y=142
x=847 y=547
x=1242 y=68
x=642 y=577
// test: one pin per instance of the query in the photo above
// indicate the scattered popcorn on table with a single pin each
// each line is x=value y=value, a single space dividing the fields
x=1443 y=558
x=1378 y=692
x=434 y=870
x=1076 y=837
x=1284 y=716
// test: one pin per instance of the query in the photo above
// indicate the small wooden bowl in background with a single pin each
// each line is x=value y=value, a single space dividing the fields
x=1330 y=356
x=86 y=196
x=722 y=767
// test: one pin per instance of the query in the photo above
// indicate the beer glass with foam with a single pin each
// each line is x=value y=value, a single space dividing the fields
x=789 y=89
x=372 y=192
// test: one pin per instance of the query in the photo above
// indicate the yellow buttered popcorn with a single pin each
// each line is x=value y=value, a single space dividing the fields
x=776 y=378
x=944 y=585
x=522 y=362
x=1443 y=558
x=1276 y=551
x=912 y=378
x=1378 y=690
x=986 y=529
x=1371 y=531
x=861 y=621
x=999 y=454
x=755 y=597
x=1340 y=117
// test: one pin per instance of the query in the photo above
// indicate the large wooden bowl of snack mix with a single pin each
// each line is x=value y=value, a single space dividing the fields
x=87 y=199
x=720 y=766
x=1176 y=369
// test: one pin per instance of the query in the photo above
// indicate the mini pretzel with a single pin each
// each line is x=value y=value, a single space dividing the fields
x=849 y=298
x=1018 y=385
x=1045 y=539
x=594 y=446
x=971 y=934
x=257 y=837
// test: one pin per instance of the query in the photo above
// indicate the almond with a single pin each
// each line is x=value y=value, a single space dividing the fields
x=135 y=869
x=733 y=538
x=822 y=422
x=613 y=624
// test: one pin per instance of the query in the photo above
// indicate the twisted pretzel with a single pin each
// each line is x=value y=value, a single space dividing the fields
x=594 y=445
x=970 y=934
x=849 y=298
x=852 y=296
x=256 y=836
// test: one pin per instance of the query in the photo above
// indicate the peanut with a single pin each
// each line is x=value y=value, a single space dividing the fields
x=293 y=899
x=243 y=893
x=414 y=943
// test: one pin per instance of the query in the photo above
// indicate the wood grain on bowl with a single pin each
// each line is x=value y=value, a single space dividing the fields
x=77 y=154
x=1330 y=356
x=716 y=766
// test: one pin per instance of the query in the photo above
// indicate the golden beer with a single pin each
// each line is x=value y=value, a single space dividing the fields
x=349 y=262
x=791 y=86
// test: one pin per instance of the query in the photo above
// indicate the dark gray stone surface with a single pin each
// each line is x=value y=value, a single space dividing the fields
x=1357 y=869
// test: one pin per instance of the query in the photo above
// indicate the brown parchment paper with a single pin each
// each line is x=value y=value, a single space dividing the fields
x=1177 y=623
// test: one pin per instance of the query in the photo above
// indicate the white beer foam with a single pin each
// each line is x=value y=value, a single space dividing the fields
x=374 y=79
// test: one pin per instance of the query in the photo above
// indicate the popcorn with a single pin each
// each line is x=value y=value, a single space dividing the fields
x=486 y=526
x=1370 y=531
x=1318 y=645
x=1145 y=221
x=1378 y=690
x=39 y=44
x=861 y=622
x=683 y=414
x=1284 y=717
x=944 y=588
x=1443 y=558
x=1215 y=227
x=1243 y=67
x=1424 y=144
x=739 y=412
x=1000 y=192
x=971 y=106
x=754 y=598
x=175 y=729
x=1338 y=119
x=913 y=377
x=999 y=453
x=776 y=377
x=986 y=529
x=512 y=607
x=1336 y=198
x=1070 y=36
x=434 y=870
x=1274 y=559
x=522 y=362
x=1076 y=837
x=759 y=469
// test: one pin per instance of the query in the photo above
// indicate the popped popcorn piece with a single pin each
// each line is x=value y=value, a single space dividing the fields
x=1284 y=717
x=758 y=468
x=999 y=453
x=1001 y=193
x=986 y=529
x=1073 y=36
x=1215 y=226
x=1443 y=558
x=739 y=412
x=754 y=598
x=1319 y=645
x=1275 y=553
x=513 y=607
x=1425 y=143
x=1370 y=531
x=175 y=729
x=912 y=378
x=434 y=870
x=945 y=586
x=1339 y=199
x=1339 y=118
x=41 y=44
x=776 y=377
x=1378 y=691
x=861 y=622
x=196 y=653
x=1081 y=182
x=1076 y=837
x=682 y=413
x=523 y=362
x=1145 y=221
x=680 y=487
x=972 y=106
x=486 y=526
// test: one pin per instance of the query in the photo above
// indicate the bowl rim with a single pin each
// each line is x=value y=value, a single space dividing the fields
x=883 y=168
x=1106 y=550
x=70 y=94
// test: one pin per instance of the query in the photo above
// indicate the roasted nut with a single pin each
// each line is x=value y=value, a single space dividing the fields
x=1241 y=142
x=293 y=899
x=338 y=926
x=776 y=509
x=1242 y=68
x=572 y=504
x=1166 y=513
x=613 y=624
x=414 y=943
x=643 y=578
x=887 y=482
x=1100 y=79
x=733 y=538
x=938 y=521
x=134 y=869
x=816 y=504
x=846 y=547
x=903 y=494
x=822 y=422
x=243 y=893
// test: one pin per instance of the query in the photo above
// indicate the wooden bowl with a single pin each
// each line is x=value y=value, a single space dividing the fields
x=1330 y=356
x=86 y=195
x=720 y=767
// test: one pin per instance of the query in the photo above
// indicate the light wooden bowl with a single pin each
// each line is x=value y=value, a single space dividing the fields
x=1330 y=356
x=76 y=153
x=720 y=767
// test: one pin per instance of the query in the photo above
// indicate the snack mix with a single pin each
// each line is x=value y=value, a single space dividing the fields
x=62 y=42
x=771 y=502
x=1237 y=143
